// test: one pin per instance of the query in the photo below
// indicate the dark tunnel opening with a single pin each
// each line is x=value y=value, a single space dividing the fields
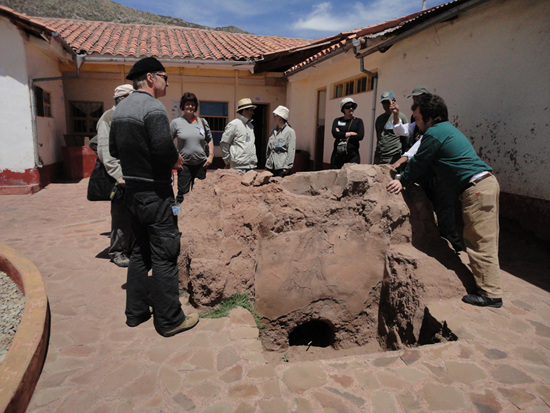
x=315 y=333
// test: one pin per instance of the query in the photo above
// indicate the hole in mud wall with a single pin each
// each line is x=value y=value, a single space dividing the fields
x=315 y=333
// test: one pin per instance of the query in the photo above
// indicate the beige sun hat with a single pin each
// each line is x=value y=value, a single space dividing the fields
x=348 y=100
x=282 y=111
x=245 y=103
x=123 y=90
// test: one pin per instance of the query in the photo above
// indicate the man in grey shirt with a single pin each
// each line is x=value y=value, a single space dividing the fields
x=237 y=144
x=121 y=229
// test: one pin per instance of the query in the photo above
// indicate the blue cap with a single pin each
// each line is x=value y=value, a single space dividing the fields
x=387 y=95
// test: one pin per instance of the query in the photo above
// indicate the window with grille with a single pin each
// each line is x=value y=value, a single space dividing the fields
x=84 y=117
x=43 y=102
x=360 y=84
x=216 y=114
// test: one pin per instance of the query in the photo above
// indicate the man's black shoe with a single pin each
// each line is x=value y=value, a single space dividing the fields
x=481 y=301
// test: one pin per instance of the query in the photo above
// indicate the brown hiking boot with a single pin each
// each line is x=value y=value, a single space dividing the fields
x=190 y=321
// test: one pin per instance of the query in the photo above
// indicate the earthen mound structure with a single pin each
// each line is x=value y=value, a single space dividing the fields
x=329 y=257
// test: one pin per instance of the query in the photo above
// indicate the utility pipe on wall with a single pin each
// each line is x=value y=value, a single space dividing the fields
x=375 y=93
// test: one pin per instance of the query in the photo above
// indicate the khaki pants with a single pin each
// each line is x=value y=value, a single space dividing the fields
x=481 y=228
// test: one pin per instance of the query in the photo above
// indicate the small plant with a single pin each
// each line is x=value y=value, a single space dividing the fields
x=285 y=358
x=228 y=304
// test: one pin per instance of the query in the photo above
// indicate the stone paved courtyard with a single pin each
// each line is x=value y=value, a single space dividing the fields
x=95 y=363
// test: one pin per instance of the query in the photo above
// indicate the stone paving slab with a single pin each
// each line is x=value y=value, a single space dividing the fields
x=95 y=363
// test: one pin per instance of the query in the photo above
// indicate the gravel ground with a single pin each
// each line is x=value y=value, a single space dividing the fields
x=12 y=303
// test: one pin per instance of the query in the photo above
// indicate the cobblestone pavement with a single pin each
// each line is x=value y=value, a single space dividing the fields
x=12 y=303
x=96 y=364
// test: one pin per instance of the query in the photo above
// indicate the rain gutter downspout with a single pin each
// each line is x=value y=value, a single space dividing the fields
x=382 y=47
x=375 y=93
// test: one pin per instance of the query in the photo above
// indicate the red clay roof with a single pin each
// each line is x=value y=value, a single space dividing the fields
x=163 y=42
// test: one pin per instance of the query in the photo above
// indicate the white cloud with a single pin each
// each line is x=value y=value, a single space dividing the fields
x=321 y=19
x=324 y=17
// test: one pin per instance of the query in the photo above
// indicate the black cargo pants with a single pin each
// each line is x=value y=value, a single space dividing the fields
x=156 y=247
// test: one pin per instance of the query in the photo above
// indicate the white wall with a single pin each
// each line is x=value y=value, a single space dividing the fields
x=43 y=63
x=492 y=67
x=302 y=98
x=16 y=141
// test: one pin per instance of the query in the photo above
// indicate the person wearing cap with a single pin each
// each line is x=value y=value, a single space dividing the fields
x=389 y=146
x=445 y=150
x=238 y=141
x=347 y=132
x=442 y=198
x=281 y=146
x=409 y=130
x=194 y=142
x=140 y=138
x=121 y=229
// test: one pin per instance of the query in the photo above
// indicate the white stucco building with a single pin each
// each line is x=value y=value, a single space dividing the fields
x=488 y=59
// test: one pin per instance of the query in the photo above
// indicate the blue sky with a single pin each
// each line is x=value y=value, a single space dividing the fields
x=308 y=19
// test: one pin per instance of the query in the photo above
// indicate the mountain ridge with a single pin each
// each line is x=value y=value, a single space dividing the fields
x=101 y=10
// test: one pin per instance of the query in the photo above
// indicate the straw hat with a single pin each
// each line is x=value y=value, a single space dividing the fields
x=245 y=103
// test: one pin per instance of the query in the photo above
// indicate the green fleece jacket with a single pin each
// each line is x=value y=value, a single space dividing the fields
x=446 y=151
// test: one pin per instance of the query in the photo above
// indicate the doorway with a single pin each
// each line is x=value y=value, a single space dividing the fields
x=320 y=130
x=261 y=124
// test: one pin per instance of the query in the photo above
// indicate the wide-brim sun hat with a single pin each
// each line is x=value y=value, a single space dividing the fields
x=245 y=103
x=282 y=111
x=347 y=100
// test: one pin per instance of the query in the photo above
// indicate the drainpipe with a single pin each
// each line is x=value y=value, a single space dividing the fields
x=79 y=61
x=375 y=93
x=235 y=88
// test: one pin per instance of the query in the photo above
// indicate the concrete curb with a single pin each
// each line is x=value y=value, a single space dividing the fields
x=20 y=370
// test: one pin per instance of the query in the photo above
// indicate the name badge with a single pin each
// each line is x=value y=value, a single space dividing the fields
x=248 y=138
x=389 y=125
x=340 y=123
x=201 y=131
x=278 y=144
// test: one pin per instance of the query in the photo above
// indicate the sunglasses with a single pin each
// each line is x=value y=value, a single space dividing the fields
x=165 y=77
x=348 y=107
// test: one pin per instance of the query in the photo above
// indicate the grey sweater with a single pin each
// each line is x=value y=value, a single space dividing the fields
x=140 y=138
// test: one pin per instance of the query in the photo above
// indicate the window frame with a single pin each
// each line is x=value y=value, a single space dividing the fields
x=353 y=86
x=213 y=119
x=42 y=102
x=90 y=121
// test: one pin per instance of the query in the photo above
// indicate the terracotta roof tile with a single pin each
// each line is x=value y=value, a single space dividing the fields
x=168 y=42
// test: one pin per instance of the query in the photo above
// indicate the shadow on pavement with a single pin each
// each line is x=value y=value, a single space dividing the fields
x=523 y=255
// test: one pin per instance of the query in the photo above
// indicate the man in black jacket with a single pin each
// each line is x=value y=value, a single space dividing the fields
x=140 y=138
